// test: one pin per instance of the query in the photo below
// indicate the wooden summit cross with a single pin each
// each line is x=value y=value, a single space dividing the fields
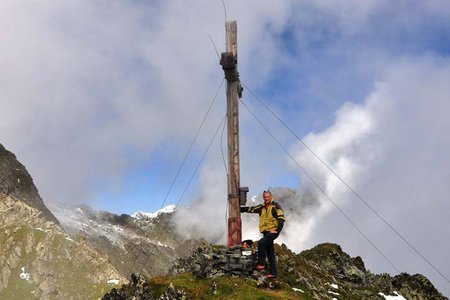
x=237 y=195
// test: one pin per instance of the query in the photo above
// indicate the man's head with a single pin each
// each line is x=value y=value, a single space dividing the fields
x=267 y=196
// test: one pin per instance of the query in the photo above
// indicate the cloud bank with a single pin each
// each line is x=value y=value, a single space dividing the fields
x=391 y=149
x=91 y=91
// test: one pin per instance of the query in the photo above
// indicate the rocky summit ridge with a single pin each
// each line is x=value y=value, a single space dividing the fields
x=323 y=272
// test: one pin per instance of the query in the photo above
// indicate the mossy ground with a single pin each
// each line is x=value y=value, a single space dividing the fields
x=227 y=288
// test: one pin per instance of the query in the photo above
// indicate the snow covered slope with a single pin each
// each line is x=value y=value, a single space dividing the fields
x=144 y=242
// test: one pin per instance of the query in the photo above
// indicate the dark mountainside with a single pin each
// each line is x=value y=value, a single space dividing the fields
x=16 y=182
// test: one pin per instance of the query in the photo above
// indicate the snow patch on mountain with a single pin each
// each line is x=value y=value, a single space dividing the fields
x=333 y=293
x=334 y=286
x=396 y=297
x=114 y=281
x=24 y=275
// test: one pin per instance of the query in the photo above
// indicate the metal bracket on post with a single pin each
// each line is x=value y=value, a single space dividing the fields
x=228 y=62
x=243 y=195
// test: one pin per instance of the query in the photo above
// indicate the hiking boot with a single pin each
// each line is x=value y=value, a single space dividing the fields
x=270 y=276
x=260 y=267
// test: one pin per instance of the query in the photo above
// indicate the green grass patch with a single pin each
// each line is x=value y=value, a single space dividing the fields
x=227 y=288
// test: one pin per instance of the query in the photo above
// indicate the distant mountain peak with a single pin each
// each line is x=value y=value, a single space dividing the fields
x=151 y=215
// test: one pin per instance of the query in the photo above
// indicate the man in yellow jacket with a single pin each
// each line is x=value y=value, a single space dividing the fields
x=271 y=221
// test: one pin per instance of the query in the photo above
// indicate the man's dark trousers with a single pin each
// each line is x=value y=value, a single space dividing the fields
x=265 y=249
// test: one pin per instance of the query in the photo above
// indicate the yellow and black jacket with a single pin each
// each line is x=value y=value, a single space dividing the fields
x=271 y=217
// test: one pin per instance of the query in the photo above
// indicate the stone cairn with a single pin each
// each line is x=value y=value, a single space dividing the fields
x=210 y=261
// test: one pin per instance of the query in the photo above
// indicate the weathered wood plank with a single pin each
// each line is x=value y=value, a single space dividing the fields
x=231 y=37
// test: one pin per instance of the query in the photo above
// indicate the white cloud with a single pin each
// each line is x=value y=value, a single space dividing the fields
x=391 y=149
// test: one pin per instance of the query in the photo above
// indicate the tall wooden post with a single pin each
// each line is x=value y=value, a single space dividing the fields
x=236 y=194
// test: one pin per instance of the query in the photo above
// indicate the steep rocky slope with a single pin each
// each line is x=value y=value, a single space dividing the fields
x=38 y=259
x=16 y=182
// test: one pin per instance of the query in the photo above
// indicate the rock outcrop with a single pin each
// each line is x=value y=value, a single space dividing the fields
x=319 y=269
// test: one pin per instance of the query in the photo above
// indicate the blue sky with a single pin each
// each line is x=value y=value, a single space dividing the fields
x=101 y=100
